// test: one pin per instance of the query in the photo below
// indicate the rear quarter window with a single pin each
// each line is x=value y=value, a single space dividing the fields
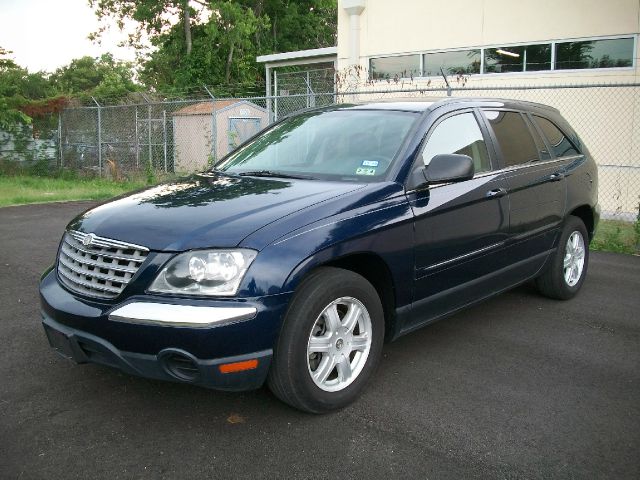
x=561 y=146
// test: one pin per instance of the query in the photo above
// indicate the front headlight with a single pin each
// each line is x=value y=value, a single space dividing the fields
x=204 y=272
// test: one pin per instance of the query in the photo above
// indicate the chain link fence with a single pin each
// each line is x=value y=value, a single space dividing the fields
x=299 y=90
x=181 y=136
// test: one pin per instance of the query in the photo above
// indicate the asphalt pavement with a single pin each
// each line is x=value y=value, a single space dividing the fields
x=518 y=387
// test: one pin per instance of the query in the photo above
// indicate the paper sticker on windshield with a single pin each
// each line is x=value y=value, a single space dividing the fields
x=370 y=163
x=366 y=171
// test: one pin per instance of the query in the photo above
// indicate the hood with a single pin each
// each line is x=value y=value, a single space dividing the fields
x=204 y=210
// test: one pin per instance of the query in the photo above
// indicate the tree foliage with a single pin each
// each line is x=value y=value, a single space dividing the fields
x=101 y=78
x=17 y=87
x=25 y=95
x=216 y=42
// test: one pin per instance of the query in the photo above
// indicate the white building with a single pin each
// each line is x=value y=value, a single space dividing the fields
x=496 y=41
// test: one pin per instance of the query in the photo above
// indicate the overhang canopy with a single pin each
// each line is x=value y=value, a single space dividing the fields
x=299 y=57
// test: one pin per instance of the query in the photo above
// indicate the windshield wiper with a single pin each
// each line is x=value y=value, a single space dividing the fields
x=271 y=173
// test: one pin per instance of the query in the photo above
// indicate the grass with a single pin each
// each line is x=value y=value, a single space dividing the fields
x=617 y=236
x=21 y=190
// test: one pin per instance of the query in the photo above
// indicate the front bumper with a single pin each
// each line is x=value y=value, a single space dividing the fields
x=93 y=331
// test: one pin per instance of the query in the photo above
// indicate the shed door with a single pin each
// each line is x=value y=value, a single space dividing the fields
x=241 y=129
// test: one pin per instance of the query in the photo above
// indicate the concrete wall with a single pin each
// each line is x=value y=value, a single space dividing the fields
x=20 y=146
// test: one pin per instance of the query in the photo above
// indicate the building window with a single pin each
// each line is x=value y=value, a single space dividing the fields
x=459 y=62
x=523 y=58
x=403 y=66
x=583 y=54
x=594 y=54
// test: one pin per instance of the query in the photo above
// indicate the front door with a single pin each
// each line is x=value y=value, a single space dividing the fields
x=461 y=227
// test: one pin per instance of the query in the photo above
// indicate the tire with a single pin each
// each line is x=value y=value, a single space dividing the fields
x=567 y=269
x=341 y=310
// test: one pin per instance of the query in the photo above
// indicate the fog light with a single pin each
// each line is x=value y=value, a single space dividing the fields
x=239 y=366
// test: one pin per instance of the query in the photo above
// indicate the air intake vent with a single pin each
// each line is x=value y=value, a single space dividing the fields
x=96 y=266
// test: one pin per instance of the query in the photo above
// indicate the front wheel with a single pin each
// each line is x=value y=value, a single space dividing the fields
x=330 y=343
x=565 y=274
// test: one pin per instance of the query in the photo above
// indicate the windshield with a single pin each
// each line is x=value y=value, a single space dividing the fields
x=335 y=145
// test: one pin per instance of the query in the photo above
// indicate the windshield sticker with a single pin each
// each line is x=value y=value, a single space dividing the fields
x=370 y=163
x=366 y=171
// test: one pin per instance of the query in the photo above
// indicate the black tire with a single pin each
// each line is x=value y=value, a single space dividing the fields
x=290 y=375
x=552 y=282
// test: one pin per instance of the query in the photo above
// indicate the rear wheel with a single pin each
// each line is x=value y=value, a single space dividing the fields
x=565 y=274
x=330 y=343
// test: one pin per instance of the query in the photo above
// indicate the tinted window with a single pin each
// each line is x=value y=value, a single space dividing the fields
x=543 y=152
x=338 y=145
x=560 y=144
x=595 y=54
x=458 y=134
x=514 y=137
x=524 y=58
x=453 y=63
x=403 y=66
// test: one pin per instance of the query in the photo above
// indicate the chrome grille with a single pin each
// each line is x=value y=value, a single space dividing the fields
x=97 y=266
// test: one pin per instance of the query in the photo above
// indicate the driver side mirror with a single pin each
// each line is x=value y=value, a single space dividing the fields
x=450 y=167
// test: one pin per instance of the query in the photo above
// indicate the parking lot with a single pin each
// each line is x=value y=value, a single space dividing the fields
x=518 y=387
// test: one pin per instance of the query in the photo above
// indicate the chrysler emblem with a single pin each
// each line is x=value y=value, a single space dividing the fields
x=88 y=240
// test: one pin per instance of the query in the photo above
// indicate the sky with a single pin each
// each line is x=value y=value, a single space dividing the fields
x=47 y=34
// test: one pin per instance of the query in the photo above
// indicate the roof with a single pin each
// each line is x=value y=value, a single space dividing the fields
x=299 y=55
x=206 y=108
x=421 y=104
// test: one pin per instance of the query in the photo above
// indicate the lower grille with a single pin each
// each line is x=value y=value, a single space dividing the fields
x=97 y=266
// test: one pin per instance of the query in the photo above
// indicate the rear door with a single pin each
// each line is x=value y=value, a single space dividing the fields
x=536 y=185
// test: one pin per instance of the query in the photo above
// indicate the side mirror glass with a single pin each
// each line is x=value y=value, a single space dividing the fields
x=449 y=167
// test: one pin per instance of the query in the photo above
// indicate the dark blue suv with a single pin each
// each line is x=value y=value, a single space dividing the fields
x=294 y=258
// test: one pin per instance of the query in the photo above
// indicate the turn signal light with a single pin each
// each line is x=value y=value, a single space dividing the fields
x=239 y=366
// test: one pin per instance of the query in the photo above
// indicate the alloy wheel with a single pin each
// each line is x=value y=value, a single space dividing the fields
x=339 y=344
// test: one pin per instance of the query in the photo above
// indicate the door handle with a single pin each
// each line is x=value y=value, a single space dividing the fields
x=496 y=193
x=556 y=177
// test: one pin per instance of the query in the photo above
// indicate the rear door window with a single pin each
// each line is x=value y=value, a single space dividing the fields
x=560 y=144
x=514 y=137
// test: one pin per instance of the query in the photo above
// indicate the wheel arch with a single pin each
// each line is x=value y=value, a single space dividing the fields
x=369 y=265
x=585 y=213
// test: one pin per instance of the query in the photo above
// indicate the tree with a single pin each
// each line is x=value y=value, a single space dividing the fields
x=223 y=51
x=152 y=17
x=17 y=87
x=102 y=77
x=297 y=24
x=215 y=42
